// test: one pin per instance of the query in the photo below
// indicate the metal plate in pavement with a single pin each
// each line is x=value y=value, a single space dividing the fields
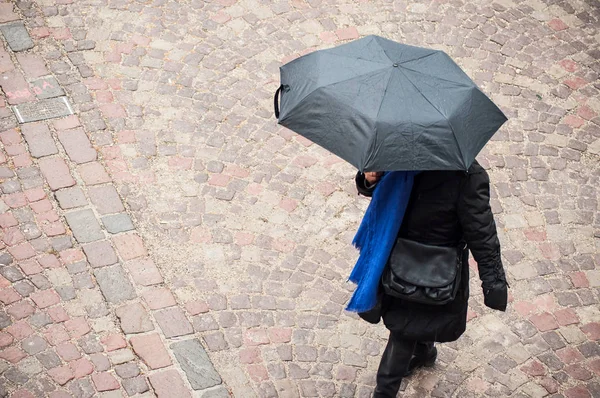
x=43 y=109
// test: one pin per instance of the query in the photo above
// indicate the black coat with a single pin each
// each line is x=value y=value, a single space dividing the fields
x=446 y=207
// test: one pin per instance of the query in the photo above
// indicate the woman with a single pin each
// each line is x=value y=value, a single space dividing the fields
x=444 y=209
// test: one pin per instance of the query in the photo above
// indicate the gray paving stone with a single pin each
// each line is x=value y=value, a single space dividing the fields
x=5 y=259
x=84 y=225
x=34 y=345
x=134 y=318
x=82 y=388
x=69 y=198
x=106 y=199
x=173 y=322
x=5 y=320
x=17 y=36
x=196 y=364
x=39 y=139
x=47 y=87
x=136 y=385
x=11 y=273
x=116 y=223
x=114 y=284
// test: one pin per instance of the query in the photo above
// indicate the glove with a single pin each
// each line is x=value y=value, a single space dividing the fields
x=496 y=296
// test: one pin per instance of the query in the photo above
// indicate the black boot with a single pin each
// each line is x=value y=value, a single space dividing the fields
x=425 y=355
x=394 y=364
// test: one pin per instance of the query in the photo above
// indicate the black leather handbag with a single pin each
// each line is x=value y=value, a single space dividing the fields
x=422 y=273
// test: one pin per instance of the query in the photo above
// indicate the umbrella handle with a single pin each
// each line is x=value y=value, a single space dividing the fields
x=283 y=87
x=276 y=101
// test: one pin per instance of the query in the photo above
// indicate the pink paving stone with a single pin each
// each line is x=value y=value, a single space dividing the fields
x=573 y=121
x=549 y=384
x=180 y=163
x=545 y=302
x=140 y=40
x=169 y=384
x=304 y=161
x=173 y=322
x=544 y=322
x=104 y=97
x=4 y=282
x=54 y=229
x=22 y=393
x=253 y=337
x=280 y=335
x=254 y=189
x=586 y=112
x=22 y=251
x=56 y=172
x=16 y=88
x=144 y=272
x=578 y=372
x=112 y=56
x=93 y=173
x=12 y=236
x=41 y=206
x=575 y=83
x=5 y=339
x=58 y=314
x=34 y=194
x=66 y=123
x=471 y=315
x=16 y=149
x=129 y=246
x=30 y=267
x=250 y=355
x=221 y=17
x=569 y=355
x=23 y=160
x=81 y=367
x=70 y=256
x=577 y=392
x=549 y=250
x=49 y=216
x=113 y=342
x=244 y=238
x=6 y=64
x=111 y=152
x=68 y=352
x=115 y=84
x=328 y=37
x=284 y=245
x=566 y=316
x=77 y=145
x=45 y=298
x=236 y=171
x=595 y=366
x=345 y=373
x=126 y=137
x=9 y=296
x=20 y=330
x=568 y=65
x=20 y=310
x=10 y=137
x=33 y=65
x=56 y=334
x=77 y=327
x=113 y=110
x=40 y=33
x=533 y=368
x=15 y=200
x=288 y=205
x=257 y=372
x=558 y=25
x=159 y=297
x=12 y=354
x=350 y=33
x=219 y=180
x=8 y=220
x=49 y=261
x=196 y=307
x=124 y=48
x=200 y=235
x=535 y=234
x=152 y=350
x=60 y=33
x=7 y=14
x=95 y=83
x=61 y=374
x=592 y=330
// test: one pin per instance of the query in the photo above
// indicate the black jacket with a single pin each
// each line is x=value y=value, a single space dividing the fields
x=446 y=207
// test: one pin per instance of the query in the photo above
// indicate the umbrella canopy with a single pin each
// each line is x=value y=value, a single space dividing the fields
x=384 y=106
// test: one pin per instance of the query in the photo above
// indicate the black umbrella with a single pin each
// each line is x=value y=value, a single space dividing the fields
x=384 y=106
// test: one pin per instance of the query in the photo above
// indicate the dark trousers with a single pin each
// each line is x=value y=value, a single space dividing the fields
x=394 y=364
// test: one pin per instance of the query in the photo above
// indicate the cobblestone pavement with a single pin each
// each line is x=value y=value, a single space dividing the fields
x=169 y=239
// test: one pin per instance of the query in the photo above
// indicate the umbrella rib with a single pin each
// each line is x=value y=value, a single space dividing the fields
x=374 y=140
x=436 y=108
x=437 y=77
x=416 y=59
x=363 y=59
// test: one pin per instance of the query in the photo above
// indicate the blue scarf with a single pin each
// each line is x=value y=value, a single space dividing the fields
x=377 y=234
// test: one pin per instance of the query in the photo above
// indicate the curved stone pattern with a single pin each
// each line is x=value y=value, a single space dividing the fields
x=242 y=230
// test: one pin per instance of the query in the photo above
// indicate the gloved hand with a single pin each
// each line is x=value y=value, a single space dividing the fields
x=495 y=295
